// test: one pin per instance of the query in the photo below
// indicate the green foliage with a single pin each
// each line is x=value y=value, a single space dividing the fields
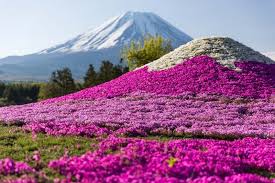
x=90 y=78
x=2 y=88
x=107 y=72
x=148 y=50
x=61 y=83
x=119 y=70
x=49 y=90
x=18 y=145
x=64 y=80
x=18 y=93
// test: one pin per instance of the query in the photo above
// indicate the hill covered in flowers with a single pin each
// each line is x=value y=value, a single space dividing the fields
x=214 y=88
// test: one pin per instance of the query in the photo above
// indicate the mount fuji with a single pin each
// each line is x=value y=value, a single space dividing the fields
x=102 y=43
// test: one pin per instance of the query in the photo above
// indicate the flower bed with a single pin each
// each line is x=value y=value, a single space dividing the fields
x=142 y=114
x=163 y=103
x=140 y=160
x=10 y=167
x=132 y=160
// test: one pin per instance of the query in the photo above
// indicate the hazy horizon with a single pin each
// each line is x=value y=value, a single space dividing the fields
x=30 y=26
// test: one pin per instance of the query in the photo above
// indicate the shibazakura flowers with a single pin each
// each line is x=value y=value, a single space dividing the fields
x=10 y=167
x=133 y=160
x=199 y=75
x=174 y=161
x=142 y=114
x=197 y=97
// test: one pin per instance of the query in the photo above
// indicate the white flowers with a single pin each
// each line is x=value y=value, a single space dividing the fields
x=225 y=50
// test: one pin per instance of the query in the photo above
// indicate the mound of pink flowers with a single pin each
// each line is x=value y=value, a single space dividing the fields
x=133 y=160
x=200 y=75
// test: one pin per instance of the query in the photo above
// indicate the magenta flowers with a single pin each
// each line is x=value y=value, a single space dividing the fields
x=198 y=98
x=200 y=75
x=177 y=101
x=132 y=160
x=142 y=114
x=10 y=167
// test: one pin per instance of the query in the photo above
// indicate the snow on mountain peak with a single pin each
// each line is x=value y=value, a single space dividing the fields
x=120 y=31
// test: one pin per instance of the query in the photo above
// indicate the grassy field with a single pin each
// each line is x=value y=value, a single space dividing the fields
x=21 y=146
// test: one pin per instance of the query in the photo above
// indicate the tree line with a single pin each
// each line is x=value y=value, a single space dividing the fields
x=62 y=82
x=18 y=93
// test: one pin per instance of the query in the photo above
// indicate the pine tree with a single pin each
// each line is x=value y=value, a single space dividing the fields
x=61 y=83
x=90 y=78
x=64 y=80
x=10 y=94
x=105 y=72
x=2 y=88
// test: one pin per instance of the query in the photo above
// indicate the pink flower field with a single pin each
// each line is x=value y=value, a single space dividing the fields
x=141 y=114
x=224 y=122
x=173 y=161
x=198 y=97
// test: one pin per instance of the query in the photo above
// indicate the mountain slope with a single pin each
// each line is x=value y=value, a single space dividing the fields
x=102 y=43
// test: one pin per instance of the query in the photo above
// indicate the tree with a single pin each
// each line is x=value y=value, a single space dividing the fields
x=142 y=52
x=61 y=83
x=49 y=90
x=2 y=88
x=117 y=71
x=10 y=94
x=105 y=72
x=90 y=78
x=64 y=80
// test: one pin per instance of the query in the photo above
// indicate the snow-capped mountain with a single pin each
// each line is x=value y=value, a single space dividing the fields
x=120 y=31
x=92 y=47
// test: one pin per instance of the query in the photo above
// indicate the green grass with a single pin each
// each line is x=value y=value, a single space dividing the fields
x=20 y=146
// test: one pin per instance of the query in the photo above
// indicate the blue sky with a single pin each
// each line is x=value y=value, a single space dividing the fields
x=32 y=25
